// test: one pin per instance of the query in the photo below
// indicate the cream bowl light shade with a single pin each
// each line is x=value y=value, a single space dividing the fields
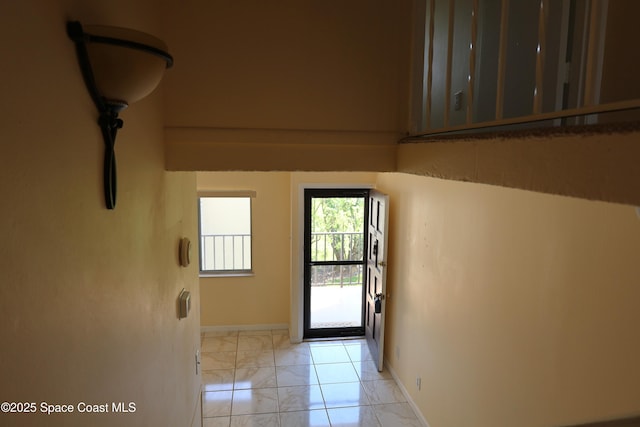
x=119 y=66
x=123 y=73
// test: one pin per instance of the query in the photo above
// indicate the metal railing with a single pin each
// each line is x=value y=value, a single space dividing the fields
x=337 y=246
x=505 y=64
x=225 y=252
x=336 y=275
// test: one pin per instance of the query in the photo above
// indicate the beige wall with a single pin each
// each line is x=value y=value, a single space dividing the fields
x=290 y=65
x=325 y=87
x=88 y=296
x=594 y=164
x=314 y=81
x=515 y=308
x=261 y=299
x=271 y=297
x=514 y=305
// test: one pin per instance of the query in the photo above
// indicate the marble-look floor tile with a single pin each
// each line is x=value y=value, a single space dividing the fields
x=358 y=352
x=396 y=415
x=355 y=416
x=296 y=375
x=368 y=371
x=344 y=394
x=321 y=383
x=217 y=344
x=216 y=422
x=315 y=418
x=255 y=401
x=329 y=354
x=283 y=341
x=216 y=403
x=383 y=391
x=300 y=398
x=336 y=373
x=218 y=380
x=300 y=355
x=255 y=342
x=260 y=420
x=220 y=360
x=255 y=378
x=254 y=359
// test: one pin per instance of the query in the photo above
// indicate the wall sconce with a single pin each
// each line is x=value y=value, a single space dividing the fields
x=119 y=66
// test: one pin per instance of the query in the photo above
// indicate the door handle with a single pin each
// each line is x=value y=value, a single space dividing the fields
x=377 y=303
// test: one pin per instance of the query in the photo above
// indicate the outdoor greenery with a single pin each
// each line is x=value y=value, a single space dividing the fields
x=337 y=235
x=337 y=228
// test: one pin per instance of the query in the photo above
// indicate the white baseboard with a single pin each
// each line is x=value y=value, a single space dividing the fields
x=261 y=327
x=404 y=391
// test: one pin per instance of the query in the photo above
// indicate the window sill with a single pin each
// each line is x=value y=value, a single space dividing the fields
x=215 y=275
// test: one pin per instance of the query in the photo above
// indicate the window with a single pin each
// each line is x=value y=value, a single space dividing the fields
x=225 y=233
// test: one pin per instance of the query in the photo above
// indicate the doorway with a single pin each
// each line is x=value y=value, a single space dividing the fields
x=334 y=262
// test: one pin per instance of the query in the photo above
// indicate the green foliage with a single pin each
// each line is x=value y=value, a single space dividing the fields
x=333 y=217
x=338 y=214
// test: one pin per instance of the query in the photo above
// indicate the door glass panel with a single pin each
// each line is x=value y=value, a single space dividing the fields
x=337 y=229
x=336 y=296
x=335 y=223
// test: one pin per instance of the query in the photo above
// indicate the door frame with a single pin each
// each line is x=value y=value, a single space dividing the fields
x=296 y=327
x=310 y=194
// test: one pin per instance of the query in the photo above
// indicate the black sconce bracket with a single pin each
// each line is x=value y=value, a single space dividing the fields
x=108 y=109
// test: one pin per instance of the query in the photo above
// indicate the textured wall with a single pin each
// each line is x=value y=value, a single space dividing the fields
x=589 y=164
x=313 y=82
x=264 y=297
x=88 y=296
x=514 y=307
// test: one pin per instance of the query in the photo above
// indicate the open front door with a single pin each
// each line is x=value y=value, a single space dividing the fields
x=335 y=262
x=376 y=274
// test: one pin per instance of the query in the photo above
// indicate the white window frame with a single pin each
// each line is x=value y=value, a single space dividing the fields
x=227 y=194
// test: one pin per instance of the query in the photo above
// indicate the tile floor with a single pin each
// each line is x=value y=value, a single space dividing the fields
x=258 y=378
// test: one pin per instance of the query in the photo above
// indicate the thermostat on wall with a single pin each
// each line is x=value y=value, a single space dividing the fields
x=184 y=252
x=185 y=303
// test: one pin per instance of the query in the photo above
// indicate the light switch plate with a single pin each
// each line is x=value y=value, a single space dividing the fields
x=185 y=303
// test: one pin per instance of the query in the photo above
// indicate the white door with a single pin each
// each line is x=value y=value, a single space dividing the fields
x=375 y=293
